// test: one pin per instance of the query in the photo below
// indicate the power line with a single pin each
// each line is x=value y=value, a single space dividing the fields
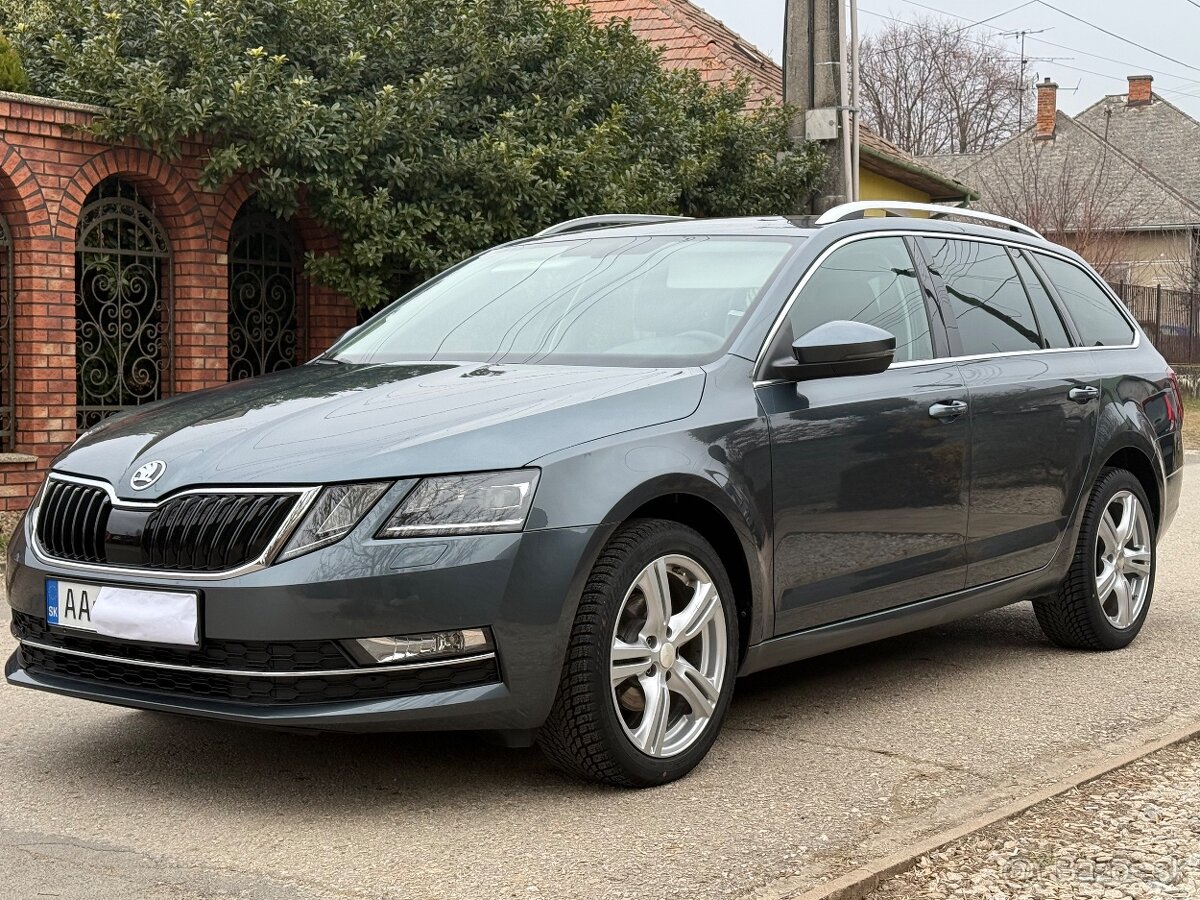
x=1075 y=49
x=1110 y=59
x=1004 y=50
x=1113 y=34
x=966 y=27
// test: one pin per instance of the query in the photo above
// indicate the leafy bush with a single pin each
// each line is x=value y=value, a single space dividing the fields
x=12 y=73
x=418 y=131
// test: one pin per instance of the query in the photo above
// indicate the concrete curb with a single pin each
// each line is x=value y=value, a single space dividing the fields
x=857 y=884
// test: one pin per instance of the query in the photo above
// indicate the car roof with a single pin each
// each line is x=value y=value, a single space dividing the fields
x=755 y=226
x=805 y=227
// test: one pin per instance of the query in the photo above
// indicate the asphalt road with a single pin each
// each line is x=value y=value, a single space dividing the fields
x=823 y=765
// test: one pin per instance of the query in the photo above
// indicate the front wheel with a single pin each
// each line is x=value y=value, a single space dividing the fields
x=1104 y=600
x=651 y=661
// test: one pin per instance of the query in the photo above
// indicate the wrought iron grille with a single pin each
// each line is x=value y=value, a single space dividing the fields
x=8 y=425
x=263 y=314
x=122 y=304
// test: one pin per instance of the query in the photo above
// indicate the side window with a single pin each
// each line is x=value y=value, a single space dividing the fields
x=1095 y=314
x=1050 y=323
x=872 y=281
x=986 y=296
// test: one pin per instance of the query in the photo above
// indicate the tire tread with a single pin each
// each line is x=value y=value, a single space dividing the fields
x=571 y=738
x=1067 y=617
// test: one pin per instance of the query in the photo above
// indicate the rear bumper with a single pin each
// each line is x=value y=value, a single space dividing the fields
x=523 y=587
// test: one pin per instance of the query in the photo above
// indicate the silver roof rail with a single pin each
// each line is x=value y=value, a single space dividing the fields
x=858 y=209
x=611 y=220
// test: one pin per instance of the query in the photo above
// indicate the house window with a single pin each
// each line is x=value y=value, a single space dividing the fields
x=122 y=304
x=263 y=320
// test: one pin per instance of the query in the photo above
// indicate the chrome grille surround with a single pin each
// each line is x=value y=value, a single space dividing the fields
x=305 y=496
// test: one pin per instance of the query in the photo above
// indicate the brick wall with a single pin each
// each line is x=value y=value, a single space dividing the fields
x=48 y=166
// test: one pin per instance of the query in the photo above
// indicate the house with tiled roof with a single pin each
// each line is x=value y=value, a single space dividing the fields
x=1120 y=182
x=689 y=38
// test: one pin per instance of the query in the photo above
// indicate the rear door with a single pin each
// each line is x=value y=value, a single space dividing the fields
x=869 y=486
x=1034 y=399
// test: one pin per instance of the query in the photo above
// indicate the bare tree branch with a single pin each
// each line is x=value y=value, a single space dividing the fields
x=932 y=87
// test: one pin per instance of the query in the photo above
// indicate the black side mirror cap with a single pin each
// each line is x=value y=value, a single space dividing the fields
x=838 y=348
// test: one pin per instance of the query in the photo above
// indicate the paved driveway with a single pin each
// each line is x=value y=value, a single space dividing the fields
x=822 y=765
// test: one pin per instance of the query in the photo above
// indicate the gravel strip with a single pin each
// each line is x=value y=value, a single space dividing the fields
x=1133 y=833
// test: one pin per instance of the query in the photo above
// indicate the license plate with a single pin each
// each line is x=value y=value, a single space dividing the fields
x=133 y=614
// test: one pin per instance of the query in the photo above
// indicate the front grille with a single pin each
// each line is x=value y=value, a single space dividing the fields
x=199 y=532
x=73 y=520
x=256 y=690
x=246 y=656
x=213 y=532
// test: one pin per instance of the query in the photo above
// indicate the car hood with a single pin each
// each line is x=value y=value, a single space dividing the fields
x=341 y=422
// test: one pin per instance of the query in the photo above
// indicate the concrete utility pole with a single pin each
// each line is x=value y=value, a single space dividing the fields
x=815 y=81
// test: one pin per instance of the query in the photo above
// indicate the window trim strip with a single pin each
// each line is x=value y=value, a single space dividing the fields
x=760 y=359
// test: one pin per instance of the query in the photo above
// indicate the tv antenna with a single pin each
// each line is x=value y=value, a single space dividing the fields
x=1025 y=61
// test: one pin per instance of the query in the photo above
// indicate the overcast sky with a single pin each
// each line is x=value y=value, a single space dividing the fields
x=1168 y=27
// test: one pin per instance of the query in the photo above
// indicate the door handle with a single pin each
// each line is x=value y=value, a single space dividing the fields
x=951 y=409
x=1084 y=394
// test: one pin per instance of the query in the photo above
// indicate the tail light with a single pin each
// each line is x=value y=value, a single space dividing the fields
x=1175 y=401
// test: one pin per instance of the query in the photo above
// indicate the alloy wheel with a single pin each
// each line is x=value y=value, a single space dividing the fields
x=1124 y=559
x=668 y=656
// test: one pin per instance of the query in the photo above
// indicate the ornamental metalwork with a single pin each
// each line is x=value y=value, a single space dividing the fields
x=7 y=382
x=122 y=304
x=263 y=308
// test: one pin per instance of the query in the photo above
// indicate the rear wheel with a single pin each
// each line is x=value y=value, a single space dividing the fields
x=1104 y=600
x=651 y=661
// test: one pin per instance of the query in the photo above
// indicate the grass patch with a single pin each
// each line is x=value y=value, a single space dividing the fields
x=1191 y=423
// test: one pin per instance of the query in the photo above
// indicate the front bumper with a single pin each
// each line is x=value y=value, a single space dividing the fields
x=524 y=587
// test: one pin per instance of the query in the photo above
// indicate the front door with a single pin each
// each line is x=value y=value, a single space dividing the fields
x=869 y=475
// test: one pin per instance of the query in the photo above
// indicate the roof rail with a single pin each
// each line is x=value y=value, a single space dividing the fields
x=587 y=223
x=858 y=209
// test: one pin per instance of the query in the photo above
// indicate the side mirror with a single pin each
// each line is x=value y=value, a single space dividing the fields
x=838 y=348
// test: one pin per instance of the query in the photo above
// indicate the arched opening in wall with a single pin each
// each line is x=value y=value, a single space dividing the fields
x=8 y=425
x=123 y=304
x=265 y=309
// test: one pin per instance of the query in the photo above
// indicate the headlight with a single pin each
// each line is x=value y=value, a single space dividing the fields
x=485 y=503
x=337 y=510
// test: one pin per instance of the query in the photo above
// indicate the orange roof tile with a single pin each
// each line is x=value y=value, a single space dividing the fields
x=692 y=39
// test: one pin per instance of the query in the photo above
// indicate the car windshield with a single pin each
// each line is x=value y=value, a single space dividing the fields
x=600 y=300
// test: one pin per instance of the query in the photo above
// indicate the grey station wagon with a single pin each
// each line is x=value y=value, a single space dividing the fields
x=569 y=490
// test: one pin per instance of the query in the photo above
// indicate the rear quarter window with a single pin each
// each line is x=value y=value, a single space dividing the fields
x=1097 y=318
x=987 y=299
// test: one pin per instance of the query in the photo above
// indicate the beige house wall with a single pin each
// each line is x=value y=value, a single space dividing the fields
x=1152 y=258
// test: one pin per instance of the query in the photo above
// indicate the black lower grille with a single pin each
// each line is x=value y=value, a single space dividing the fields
x=259 y=690
x=246 y=656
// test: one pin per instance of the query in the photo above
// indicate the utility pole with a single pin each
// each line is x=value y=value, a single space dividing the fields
x=815 y=81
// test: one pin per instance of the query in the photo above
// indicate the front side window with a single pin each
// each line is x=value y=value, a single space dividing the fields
x=872 y=281
x=1095 y=314
x=596 y=300
x=986 y=297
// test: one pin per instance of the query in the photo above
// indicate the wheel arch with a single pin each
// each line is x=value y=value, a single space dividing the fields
x=1140 y=465
x=732 y=531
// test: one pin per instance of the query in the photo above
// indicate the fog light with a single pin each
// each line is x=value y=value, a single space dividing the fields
x=421 y=647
